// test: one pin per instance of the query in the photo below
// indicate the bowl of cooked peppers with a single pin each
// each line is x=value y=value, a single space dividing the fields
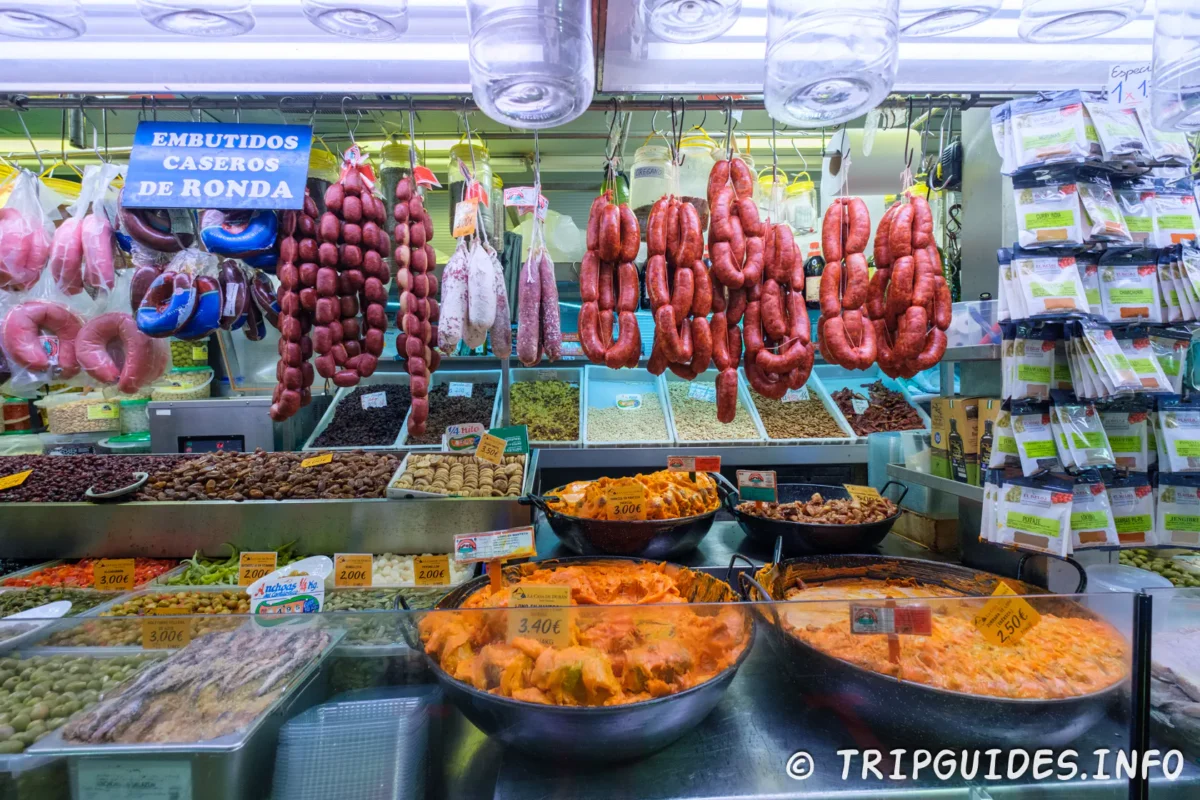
x=811 y=519
x=661 y=515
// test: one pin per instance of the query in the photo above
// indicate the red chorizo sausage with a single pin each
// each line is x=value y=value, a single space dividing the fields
x=618 y=354
x=900 y=238
x=900 y=286
x=741 y=176
x=935 y=348
x=628 y=288
x=752 y=272
x=724 y=269
x=883 y=253
x=658 y=355
x=831 y=287
x=767 y=386
x=656 y=228
x=657 y=288
x=733 y=336
x=943 y=308
x=747 y=212
x=605 y=328
x=925 y=282
x=774 y=321
x=702 y=344
x=922 y=224
x=727 y=395
x=856 y=281
x=606 y=298
x=589 y=277
x=666 y=330
x=686 y=345
x=673 y=213
x=718 y=177
x=593 y=225
x=718 y=330
x=610 y=234
x=702 y=297
x=589 y=342
x=859 y=228
x=736 y=307
x=752 y=335
x=737 y=242
x=722 y=213
x=798 y=324
x=876 y=291
x=630 y=235
x=910 y=337
x=683 y=293
x=691 y=241
x=831 y=234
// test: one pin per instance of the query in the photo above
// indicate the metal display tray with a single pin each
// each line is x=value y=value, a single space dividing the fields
x=486 y=377
x=744 y=400
x=228 y=767
x=817 y=389
x=55 y=562
x=378 y=379
x=834 y=378
x=572 y=375
x=414 y=494
x=598 y=387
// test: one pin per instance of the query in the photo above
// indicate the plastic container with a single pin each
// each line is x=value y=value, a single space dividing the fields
x=71 y=444
x=42 y=19
x=18 y=416
x=189 y=383
x=835 y=378
x=377 y=20
x=1071 y=20
x=698 y=152
x=378 y=379
x=480 y=168
x=817 y=391
x=80 y=413
x=931 y=17
x=570 y=375
x=603 y=387
x=1175 y=83
x=745 y=407
x=127 y=444
x=770 y=194
x=135 y=415
x=652 y=177
x=20 y=444
x=490 y=378
x=688 y=21
x=1121 y=578
x=800 y=204
x=531 y=62
x=199 y=17
x=829 y=61
x=189 y=354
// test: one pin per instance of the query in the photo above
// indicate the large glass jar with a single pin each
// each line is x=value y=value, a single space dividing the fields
x=697 y=152
x=769 y=194
x=482 y=172
x=800 y=204
x=654 y=176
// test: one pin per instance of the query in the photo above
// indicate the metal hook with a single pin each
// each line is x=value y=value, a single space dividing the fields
x=728 y=127
x=774 y=154
x=470 y=145
x=346 y=119
x=154 y=107
x=312 y=117
x=36 y=154
x=907 y=131
x=237 y=109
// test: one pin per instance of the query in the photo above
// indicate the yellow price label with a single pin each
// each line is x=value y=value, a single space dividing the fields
x=163 y=632
x=316 y=461
x=861 y=493
x=1006 y=617
x=541 y=613
x=490 y=449
x=626 y=502
x=199 y=352
x=103 y=411
x=431 y=570
x=113 y=574
x=14 y=480
x=254 y=565
x=352 y=569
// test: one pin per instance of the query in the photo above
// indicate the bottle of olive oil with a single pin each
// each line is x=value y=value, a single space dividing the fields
x=985 y=446
x=958 y=454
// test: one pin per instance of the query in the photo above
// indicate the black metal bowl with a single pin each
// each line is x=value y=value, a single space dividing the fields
x=901 y=709
x=655 y=539
x=606 y=733
x=806 y=538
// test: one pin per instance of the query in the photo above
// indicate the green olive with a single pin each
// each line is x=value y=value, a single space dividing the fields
x=20 y=722
x=39 y=711
x=11 y=746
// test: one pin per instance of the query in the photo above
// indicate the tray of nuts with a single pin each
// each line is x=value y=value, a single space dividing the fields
x=460 y=475
x=807 y=415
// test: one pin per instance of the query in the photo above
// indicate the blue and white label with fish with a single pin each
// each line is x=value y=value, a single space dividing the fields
x=296 y=594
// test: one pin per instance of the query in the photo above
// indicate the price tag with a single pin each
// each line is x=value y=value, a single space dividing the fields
x=490 y=448
x=757 y=485
x=860 y=406
x=200 y=352
x=14 y=480
x=694 y=463
x=113 y=574
x=352 y=569
x=550 y=624
x=547 y=375
x=317 y=461
x=374 y=400
x=162 y=632
x=460 y=389
x=1129 y=84
x=705 y=392
x=516 y=438
x=629 y=402
x=862 y=493
x=494 y=545
x=1006 y=617
x=113 y=779
x=460 y=438
x=254 y=565
x=906 y=620
x=626 y=501
x=522 y=198
x=103 y=411
x=464 y=218
x=796 y=395
x=431 y=570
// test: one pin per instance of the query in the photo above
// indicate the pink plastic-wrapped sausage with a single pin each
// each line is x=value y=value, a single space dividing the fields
x=22 y=328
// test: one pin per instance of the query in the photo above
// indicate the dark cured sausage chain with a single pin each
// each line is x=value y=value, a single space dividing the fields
x=297 y=304
x=845 y=333
x=908 y=299
x=417 y=285
x=608 y=286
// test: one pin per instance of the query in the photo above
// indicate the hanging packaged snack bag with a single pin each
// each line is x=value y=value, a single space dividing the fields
x=1135 y=196
x=1061 y=379
x=1083 y=432
x=1177 y=509
x=1035 y=514
x=1135 y=344
x=1171 y=348
x=1175 y=215
x=1088 y=265
x=1035 y=437
x=1114 y=371
x=1170 y=290
x=1120 y=133
x=1049 y=212
x=1003 y=306
x=1179 y=427
x=1132 y=501
x=1105 y=222
x=1004 y=453
x=1002 y=137
x=1092 y=522
x=1008 y=352
x=1050 y=284
x=1052 y=128
x=1129 y=286
x=1033 y=360
x=1125 y=425
x=1166 y=147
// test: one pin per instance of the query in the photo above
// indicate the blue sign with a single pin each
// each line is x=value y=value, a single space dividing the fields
x=215 y=165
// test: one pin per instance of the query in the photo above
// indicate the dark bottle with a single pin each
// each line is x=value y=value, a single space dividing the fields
x=814 y=266
x=985 y=446
x=958 y=454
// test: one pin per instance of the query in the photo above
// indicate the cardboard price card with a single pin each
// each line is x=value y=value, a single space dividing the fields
x=490 y=449
x=352 y=569
x=626 y=502
x=861 y=493
x=541 y=613
x=906 y=620
x=253 y=565
x=163 y=632
x=113 y=574
x=317 y=461
x=431 y=570
x=694 y=463
x=14 y=480
x=1006 y=618
x=494 y=545
x=757 y=485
